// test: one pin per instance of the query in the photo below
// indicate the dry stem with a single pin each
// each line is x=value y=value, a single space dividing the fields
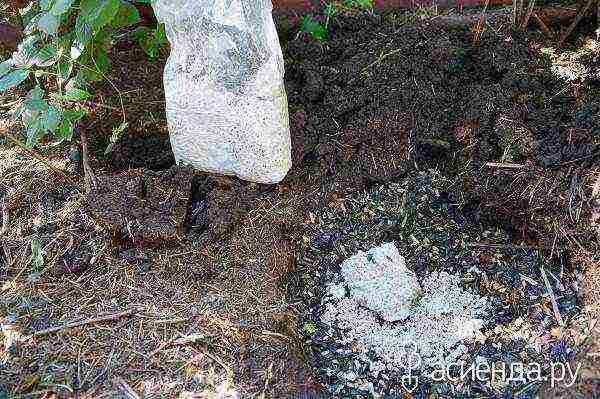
x=109 y=317
x=580 y=15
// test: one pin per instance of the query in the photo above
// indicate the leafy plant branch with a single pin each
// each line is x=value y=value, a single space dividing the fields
x=63 y=53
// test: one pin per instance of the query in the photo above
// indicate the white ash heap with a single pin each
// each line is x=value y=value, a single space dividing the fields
x=381 y=306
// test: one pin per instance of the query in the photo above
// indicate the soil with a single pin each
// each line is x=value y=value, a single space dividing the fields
x=385 y=97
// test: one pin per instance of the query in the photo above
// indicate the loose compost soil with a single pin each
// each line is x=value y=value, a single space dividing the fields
x=384 y=100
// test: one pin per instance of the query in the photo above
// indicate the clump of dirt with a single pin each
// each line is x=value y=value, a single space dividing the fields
x=143 y=206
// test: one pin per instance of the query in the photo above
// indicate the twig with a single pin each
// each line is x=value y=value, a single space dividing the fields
x=381 y=58
x=508 y=246
x=479 y=27
x=221 y=363
x=109 y=317
x=528 y=15
x=34 y=154
x=185 y=340
x=4 y=228
x=580 y=15
x=557 y=314
x=574 y=196
x=543 y=27
x=125 y=389
x=504 y=165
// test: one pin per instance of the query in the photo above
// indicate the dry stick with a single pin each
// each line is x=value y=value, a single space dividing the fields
x=480 y=23
x=90 y=178
x=110 y=317
x=508 y=246
x=185 y=340
x=580 y=15
x=528 y=16
x=5 y=219
x=557 y=314
x=596 y=202
x=517 y=6
x=543 y=27
x=504 y=165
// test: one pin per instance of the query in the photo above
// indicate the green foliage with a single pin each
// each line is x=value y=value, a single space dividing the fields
x=320 y=31
x=151 y=40
x=64 y=51
x=310 y=25
x=37 y=258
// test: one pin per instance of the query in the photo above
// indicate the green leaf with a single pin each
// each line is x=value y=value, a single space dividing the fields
x=65 y=131
x=64 y=69
x=26 y=50
x=32 y=131
x=160 y=33
x=32 y=25
x=316 y=30
x=87 y=7
x=77 y=81
x=140 y=34
x=127 y=16
x=365 y=3
x=37 y=259
x=13 y=79
x=50 y=119
x=61 y=6
x=46 y=4
x=6 y=66
x=99 y=13
x=74 y=116
x=36 y=105
x=45 y=57
x=83 y=35
x=36 y=93
x=101 y=60
x=49 y=23
x=35 y=101
x=76 y=95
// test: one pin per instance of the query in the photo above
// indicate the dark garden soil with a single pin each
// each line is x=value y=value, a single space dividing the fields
x=386 y=101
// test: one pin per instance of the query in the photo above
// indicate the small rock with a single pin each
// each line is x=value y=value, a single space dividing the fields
x=384 y=268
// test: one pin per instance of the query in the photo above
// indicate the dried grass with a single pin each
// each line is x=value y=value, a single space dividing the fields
x=166 y=333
